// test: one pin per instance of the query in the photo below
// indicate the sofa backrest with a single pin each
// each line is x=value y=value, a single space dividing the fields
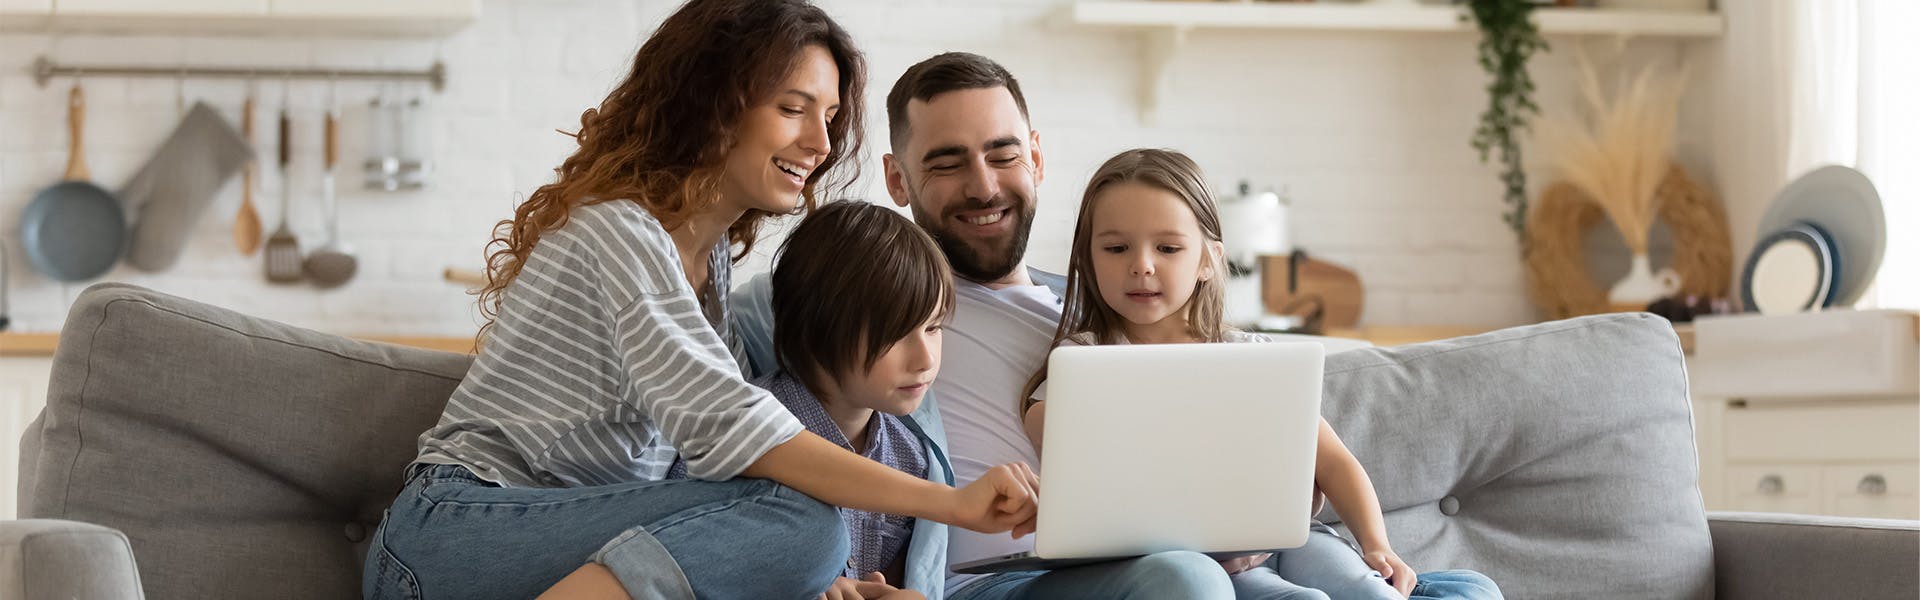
x=1556 y=458
x=243 y=458
x=250 y=459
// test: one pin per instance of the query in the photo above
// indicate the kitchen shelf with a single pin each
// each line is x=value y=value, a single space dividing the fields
x=1166 y=25
x=374 y=18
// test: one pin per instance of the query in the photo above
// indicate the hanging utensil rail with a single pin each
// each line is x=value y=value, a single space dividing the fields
x=45 y=70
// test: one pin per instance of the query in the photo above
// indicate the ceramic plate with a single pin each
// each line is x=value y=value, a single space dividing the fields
x=1842 y=203
x=1790 y=271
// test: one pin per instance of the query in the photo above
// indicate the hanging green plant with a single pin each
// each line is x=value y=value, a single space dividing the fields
x=1508 y=38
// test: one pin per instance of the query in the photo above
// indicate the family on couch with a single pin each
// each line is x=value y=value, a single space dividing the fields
x=633 y=426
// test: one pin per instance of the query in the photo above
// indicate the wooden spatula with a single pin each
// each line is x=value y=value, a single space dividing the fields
x=246 y=224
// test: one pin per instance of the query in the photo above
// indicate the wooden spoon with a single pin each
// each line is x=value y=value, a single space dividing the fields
x=246 y=225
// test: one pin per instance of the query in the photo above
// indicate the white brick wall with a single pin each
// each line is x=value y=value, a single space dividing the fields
x=1369 y=132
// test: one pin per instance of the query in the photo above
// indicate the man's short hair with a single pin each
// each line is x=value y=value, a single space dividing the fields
x=952 y=71
x=852 y=279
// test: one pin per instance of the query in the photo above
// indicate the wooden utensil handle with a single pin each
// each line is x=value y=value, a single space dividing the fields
x=246 y=131
x=333 y=139
x=76 y=153
x=286 y=138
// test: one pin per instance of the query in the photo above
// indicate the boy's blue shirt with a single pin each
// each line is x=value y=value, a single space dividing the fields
x=751 y=319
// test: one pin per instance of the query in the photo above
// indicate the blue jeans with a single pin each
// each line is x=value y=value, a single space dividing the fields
x=1154 y=577
x=452 y=535
x=1329 y=566
x=1326 y=567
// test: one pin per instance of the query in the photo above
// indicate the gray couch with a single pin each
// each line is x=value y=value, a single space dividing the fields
x=241 y=458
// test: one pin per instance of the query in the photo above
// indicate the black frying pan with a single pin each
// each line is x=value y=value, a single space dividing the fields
x=74 y=231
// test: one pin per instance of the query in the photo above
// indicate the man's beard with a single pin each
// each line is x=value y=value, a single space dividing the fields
x=970 y=263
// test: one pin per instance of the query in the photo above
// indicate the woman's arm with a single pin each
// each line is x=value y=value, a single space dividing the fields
x=1000 y=500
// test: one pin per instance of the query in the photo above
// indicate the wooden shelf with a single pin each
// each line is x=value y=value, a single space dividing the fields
x=1146 y=14
x=375 y=18
x=1166 y=25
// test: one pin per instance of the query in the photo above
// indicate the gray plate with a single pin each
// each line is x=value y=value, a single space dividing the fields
x=73 y=231
x=1845 y=205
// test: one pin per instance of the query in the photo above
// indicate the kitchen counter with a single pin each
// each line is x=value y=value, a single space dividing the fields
x=43 y=344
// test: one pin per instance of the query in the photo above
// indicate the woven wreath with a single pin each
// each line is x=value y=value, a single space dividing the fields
x=1557 y=276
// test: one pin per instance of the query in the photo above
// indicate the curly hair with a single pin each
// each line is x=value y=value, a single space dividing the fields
x=661 y=137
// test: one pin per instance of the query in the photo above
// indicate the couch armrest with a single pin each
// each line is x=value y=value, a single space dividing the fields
x=1765 y=555
x=45 y=559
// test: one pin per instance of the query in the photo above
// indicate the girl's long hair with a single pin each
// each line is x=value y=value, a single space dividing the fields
x=661 y=138
x=1086 y=316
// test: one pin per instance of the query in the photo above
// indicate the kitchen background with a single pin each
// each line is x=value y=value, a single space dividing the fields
x=1366 y=131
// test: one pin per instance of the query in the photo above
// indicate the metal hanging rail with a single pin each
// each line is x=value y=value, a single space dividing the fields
x=44 y=70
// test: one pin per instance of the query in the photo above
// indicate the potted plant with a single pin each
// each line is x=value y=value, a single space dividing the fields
x=1508 y=38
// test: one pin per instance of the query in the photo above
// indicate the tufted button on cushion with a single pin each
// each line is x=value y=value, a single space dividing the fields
x=1449 y=506
x=357 y=532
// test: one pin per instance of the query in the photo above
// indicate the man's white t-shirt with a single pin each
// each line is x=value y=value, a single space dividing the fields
x=997 y=339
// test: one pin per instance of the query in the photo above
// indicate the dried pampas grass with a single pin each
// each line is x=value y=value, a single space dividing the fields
x=1616 y=151
x=1557 y=276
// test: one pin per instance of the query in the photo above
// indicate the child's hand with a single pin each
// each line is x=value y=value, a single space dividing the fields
x=1235 y=565
x=1002 y=499
x=1391 y=567
x=872 y=586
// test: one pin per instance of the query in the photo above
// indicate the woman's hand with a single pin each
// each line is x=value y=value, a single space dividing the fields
x=1235 y=566
x=1391 y=567
x=1002 y=499
x=871 y=587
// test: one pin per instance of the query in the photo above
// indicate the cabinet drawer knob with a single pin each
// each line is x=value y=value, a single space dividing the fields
x=1872 y=485
x=1772 y=484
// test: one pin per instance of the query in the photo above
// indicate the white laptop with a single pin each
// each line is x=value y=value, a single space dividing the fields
x=1202 y=447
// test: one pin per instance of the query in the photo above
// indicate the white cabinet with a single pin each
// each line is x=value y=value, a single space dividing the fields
x=1813 y=414
x=23 y=391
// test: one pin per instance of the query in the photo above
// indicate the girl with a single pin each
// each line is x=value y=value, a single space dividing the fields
x=1144 y=269
x=608 y=355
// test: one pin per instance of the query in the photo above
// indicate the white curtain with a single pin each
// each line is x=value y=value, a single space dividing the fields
x=1854 y=101
x=1889 y=138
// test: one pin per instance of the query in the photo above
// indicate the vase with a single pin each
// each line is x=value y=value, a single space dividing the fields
x=1642 y=285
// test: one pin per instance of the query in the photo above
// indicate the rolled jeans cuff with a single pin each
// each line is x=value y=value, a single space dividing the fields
x=644 y=567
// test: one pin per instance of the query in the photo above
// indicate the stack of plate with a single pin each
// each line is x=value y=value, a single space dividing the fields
x=1820 y=244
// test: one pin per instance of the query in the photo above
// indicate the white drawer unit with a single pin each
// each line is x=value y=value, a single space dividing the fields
x=23 y=392
x=1774 y=488
x=1813 y=413
x=1872 y=490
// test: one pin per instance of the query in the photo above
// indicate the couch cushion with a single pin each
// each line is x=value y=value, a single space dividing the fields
x=1556 y=458
x=45 y=558
x=243 y=458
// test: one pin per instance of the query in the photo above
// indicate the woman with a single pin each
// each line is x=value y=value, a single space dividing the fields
x=607 y=356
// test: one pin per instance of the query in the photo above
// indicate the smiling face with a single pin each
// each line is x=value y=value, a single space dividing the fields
x=782 y=140
x=968 y=168
x=1148 y=255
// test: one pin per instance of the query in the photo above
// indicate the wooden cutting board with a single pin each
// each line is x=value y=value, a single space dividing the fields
x=1338 y=287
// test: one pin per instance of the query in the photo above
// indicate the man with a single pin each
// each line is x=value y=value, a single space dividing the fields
x=967 y=162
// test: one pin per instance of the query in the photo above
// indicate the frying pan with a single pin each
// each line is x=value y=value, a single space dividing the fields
x=74 y=231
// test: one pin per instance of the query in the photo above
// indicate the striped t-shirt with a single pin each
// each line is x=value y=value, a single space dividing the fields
x=604 y=365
